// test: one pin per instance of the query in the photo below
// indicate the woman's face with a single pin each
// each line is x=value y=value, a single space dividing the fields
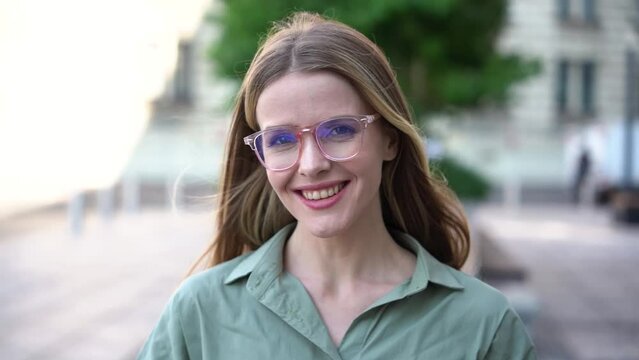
x=303 y=99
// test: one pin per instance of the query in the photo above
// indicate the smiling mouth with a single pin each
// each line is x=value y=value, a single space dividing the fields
x=320 y=194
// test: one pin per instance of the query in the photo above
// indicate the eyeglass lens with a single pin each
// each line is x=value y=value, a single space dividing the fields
x=338 y=139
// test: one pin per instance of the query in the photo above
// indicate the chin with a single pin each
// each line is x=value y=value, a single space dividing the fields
x=324 y=233
x=325 y=229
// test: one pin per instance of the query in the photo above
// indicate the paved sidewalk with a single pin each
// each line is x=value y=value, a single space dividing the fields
x=97 y=296
x=585 y=270
x=94 y=296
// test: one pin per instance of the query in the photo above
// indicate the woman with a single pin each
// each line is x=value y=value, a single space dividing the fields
x=334 y=242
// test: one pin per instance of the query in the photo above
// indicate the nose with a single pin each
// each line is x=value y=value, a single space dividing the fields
x=312 y=161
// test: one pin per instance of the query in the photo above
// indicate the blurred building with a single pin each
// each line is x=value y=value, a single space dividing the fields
x=178 y=159
x=76 y=90
x=569 y=106
x=535 y=142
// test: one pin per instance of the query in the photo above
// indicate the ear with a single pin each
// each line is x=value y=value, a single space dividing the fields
x=391 y=143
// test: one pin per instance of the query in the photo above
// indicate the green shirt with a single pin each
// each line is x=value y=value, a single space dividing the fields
x=249 y=308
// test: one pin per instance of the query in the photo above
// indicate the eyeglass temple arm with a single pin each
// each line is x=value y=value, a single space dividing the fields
x=250 y=141
x=370 y=118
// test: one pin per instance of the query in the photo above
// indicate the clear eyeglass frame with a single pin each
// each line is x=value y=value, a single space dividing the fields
x=363 y=120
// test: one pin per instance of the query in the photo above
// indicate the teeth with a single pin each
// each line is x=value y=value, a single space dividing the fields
x=322 y=193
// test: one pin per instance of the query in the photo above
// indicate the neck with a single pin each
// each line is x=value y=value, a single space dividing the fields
x=365 y=254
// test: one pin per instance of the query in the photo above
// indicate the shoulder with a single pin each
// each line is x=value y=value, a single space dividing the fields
x=505 y=333
x=474 y=313
x=200 y=300
x=478 y=301
x=207 y=285
x=463 y=299
x=225 y=284
x=481 y=293
x=460 y=293
x=493 y=319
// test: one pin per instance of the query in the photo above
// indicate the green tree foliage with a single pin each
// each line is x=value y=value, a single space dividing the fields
x=466 y=183
x=443 y=50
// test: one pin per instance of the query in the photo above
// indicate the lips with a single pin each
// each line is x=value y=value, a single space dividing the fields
x=322 y=196
x=318 y=194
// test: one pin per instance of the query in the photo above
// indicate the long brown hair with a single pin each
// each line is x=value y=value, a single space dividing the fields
x=413 y=201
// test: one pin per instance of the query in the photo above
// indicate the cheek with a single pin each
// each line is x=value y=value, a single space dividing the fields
x=277 y=180
x=373 y=155
x=369 y=168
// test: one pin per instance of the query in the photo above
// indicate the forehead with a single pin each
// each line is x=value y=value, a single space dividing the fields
x=303 y=98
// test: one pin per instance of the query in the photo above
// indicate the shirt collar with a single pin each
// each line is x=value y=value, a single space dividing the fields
x=271 y=252
x=427 y=267
x=267 y=261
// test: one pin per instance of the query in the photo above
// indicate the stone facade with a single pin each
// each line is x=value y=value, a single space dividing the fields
x=581 y=45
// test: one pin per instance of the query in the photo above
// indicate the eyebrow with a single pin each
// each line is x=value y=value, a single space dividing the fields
x=313 y=124
x=280 y=126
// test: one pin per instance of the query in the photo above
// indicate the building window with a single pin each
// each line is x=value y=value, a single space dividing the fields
x=577 y=12
x=576 y=85
x=589 y=11
x=588 y=87
x=564 y=9
x=183 y=79
x=562 y=86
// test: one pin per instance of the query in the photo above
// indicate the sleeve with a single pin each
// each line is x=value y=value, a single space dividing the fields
x=167 y=339
x=511 y=340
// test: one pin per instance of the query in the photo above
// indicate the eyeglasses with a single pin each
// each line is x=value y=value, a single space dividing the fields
x=339 y=138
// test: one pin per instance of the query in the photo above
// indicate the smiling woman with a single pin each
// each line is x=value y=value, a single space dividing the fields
x=334 y=241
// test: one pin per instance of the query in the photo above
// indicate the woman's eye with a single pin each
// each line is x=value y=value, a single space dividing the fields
x=282 y=139
x=341 y=130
